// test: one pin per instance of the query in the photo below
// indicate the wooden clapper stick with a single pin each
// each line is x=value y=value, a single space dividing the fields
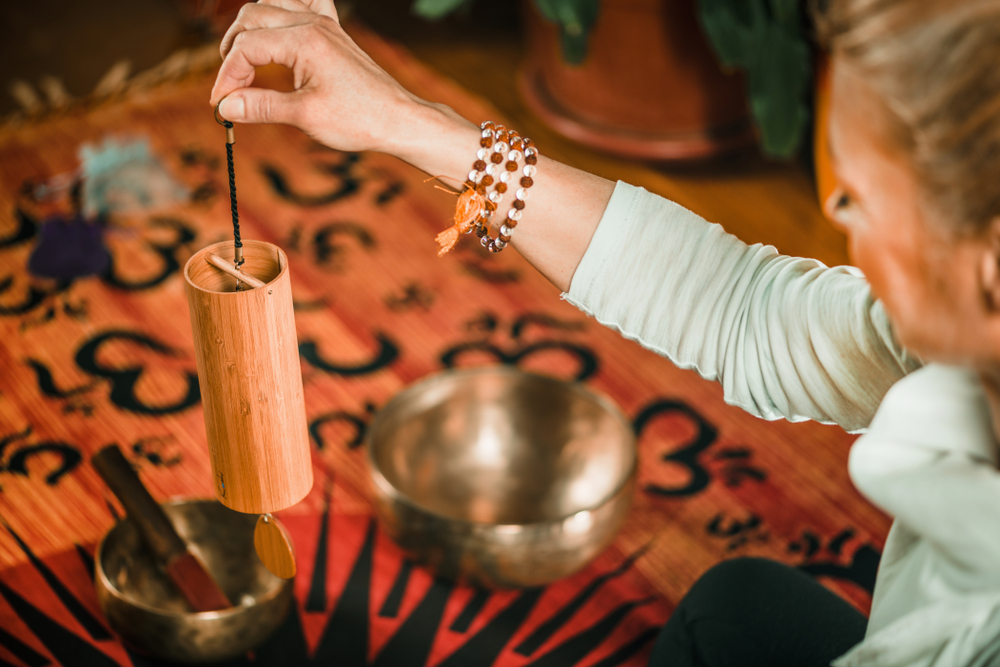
x=240 y=299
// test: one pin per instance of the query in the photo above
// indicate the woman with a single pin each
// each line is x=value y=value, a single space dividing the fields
x=915 y=136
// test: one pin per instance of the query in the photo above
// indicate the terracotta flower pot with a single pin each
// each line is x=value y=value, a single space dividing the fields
x=650 y=86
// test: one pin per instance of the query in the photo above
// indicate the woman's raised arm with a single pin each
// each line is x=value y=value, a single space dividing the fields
x=345 y=101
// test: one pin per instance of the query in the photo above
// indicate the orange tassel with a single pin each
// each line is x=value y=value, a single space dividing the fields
x=469 y=205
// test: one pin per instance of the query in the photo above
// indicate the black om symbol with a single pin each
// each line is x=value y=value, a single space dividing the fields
x=358 y=423
x=487 y=323
x=688 y=455
x=17 y=464
x=386 y=353
x=167 y=253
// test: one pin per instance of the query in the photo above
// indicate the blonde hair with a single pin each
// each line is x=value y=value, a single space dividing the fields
x=935 y=64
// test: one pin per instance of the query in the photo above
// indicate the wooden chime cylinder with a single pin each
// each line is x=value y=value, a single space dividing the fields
x=251 y=382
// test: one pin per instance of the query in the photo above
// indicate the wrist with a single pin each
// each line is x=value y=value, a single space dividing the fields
x=435 y=139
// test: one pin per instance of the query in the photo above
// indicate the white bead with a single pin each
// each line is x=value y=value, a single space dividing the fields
x=483 y=125
x=521 y=194
x=495 y=196
x=485 y=241
x=530 y=151
x=491 y=168
x=486 y=215
x=504 y=176
x=515 y=155
x=505 y=230
x=500 y=147
x=514 y=214
x=500 y=245
x=529 y=170
x=487 y=134
x=475 y=176
x=481 y=153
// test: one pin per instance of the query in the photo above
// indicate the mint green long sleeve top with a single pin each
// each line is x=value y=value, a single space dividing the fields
x=789 y=338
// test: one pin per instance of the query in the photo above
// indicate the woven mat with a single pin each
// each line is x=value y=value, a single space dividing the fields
x=110 y=359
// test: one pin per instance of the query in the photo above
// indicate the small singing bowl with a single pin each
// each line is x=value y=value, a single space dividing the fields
x=144 y=607
x=500 y=478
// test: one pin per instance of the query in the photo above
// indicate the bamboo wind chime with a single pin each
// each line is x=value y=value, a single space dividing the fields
x=240 y=299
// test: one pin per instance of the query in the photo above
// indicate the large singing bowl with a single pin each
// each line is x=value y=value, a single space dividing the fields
x=500 y=478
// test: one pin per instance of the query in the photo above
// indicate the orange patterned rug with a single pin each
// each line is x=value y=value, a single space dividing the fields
x=109 y=359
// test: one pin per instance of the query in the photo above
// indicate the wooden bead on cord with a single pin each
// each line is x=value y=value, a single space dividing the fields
x=250 y=378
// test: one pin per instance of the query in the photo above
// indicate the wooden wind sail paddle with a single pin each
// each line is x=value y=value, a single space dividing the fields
x=240 y=299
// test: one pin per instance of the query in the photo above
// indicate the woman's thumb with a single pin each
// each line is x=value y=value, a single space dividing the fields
x=259 y=105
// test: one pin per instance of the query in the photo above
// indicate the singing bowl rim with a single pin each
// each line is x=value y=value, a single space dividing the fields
x=388 y=488
x=214 y=247
x=113 y=590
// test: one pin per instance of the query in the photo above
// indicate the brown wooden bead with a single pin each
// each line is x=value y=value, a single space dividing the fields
x=531 y=159
x=496 y=158
x=502 y=135
x=511 y=224
x=490 y=205
x=528 y=143
x=504 y=238
x=479 y=165
x=526 y=182
x=481 y=189
x=501 y=187
x=486 y=142
x=489 y=125
x=518 y=204
x=511 y=166
x=516 y=143
x=488 y=180
x=480 y=231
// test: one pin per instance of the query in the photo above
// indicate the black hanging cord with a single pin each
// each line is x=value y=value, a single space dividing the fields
x=230 y=140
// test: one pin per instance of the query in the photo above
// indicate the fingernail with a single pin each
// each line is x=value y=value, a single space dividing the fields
x=232 y=108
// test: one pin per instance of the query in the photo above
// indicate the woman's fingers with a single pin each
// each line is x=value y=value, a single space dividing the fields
x=255 y=16
x=324 y=7
x=255 y=48
x=261 y=105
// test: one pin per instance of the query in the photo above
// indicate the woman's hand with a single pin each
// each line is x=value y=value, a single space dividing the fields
x=341 y=99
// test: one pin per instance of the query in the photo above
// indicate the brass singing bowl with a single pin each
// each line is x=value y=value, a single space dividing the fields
x=144 y=608
x=501 y=478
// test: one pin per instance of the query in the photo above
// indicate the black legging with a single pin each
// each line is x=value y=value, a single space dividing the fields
x=752 y=611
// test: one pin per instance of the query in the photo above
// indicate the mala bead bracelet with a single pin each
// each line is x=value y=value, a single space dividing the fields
x=496 y=165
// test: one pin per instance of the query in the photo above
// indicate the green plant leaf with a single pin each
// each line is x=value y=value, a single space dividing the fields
x=729 y=27
x=778 y=83
x=575 y=19
x=437 y=9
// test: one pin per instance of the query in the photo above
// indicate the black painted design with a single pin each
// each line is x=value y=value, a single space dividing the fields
x=383 y=358
x=484 y=647
x=62 y=643
x=736 y=467
x=488 y=274
x=345 y=639
x=47 y=385
x=543 y=320
x=470 y=611
x=861 y=570
x=358 y=422
x=737 y=533
x=546 y=630
x=22 y=651
x=123 y=380
x=688 y=455
x=413 y=296
x=390 y=608
x=347 y=182
x=153 y=449
x=79 y=612
x=587 y=360
x=630 y=649
x=316 y=600
x=87 y=559
x=574 y=649
x=167 y=254
x=412 y=643
x=35 y=297
x=27 y=229
x=17 y=463
x=330 y=255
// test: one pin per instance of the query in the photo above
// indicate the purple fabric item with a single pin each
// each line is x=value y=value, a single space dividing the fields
x=69 y=248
